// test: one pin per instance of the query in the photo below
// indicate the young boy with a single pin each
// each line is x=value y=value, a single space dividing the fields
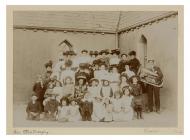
x=33 y=109
x=39 y=88
x=51 y=108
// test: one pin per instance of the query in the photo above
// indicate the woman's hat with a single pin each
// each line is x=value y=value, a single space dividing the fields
x=115 y=51
x=84 y=51
x=94 y=79
x=104 y=51
x=49 y=64
x=81 y=77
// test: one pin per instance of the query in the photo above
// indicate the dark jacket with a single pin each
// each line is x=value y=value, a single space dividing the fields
x=36 y=107
x=134 y=65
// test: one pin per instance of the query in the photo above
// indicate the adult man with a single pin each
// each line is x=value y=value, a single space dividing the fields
x=153 y=91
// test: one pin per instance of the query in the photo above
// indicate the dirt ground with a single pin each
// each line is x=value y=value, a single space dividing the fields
x=167 y=118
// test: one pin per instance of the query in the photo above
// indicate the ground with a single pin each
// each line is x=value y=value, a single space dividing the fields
x=167 y=118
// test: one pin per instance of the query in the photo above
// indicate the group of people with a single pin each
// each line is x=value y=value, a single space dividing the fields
x=95 y=86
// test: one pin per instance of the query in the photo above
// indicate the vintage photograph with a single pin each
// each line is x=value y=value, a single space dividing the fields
x=95 y=68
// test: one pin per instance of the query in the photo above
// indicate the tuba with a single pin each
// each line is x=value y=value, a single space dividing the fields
x=149 y=77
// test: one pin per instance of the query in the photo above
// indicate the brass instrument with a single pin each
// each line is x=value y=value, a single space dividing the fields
x=149 y=77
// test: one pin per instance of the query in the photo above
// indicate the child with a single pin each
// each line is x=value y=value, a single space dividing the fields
x=80 y=88
x=51 y=108
x=117 y=107
x=98 y=110
x=68 y=87
x=86 y=108
x=114 y=78
x=138 y=99
x=127 y=99
x=124 y=82
x=106 y=91
x=94 y=89
x=67 y=72
x=39 y=89
x=74 y=112
x=128 y=72
x=33 y=109
x=63 y=111
x=108 y=110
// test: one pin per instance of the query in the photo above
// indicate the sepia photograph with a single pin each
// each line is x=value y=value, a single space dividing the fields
x=82 y=67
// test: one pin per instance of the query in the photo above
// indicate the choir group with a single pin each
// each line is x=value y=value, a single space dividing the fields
x=93 y=86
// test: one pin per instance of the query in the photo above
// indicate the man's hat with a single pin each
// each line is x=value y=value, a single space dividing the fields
x=132 y=53
x=104 y=51
x=94 y=53
x=115 y=51
x=49 y=64
x=84 y=51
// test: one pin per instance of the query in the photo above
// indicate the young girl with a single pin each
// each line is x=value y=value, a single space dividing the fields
x=108 y=110
x=106 y=91
x=114 y=77
x=127 y=99
x=80 y=88
x=117 y=107
x=94 y=89
x=138 y=98
x=98 y=110
x=63 y=111
x=123 y=82
x=74 y=112
x=68 y=87
x=128 y=72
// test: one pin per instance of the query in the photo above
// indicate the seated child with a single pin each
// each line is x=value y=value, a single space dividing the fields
x=117 y=107
x=63 y=111
x=86 y=107
x=108 y=110
x=74 y=112
x=98 y=110
x=127 y=99
x=138 y=98
x=94 y=89
x=33 y=109
x=51 y=108
x=106 y=91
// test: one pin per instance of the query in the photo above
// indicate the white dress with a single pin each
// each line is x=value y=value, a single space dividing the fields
x=67 y=73
x=94 y=91
x=57 y=69
x=117 y=110
x=63 y=113
x=127 y=108
x=98 y=111
x=114 y=61
x=114 y=81
x=108 y=113
x=74 y=115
